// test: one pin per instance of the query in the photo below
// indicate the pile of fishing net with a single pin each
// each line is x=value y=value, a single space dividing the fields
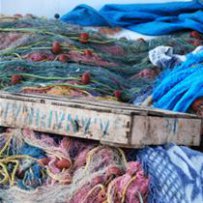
x=36 y=167
x=42 y=56
x=180 y=88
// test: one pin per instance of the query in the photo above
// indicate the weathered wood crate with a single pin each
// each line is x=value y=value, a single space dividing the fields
x=107 y=122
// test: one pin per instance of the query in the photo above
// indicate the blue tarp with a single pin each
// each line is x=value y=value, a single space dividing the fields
x=150 y=19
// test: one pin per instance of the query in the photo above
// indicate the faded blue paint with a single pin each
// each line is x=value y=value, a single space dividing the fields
x=37 y=118
x=6 y=110
x=43 y=120
x=172 y=125
x=16 y=109
x=104 y=125
x=59 y=118
x=106 y=128
x=168 y=124
x=30 y=116
x=175 y=126
x=50 y=119
x=69 y=117
x=66 y=121
x=87 y=124
x=75 y=124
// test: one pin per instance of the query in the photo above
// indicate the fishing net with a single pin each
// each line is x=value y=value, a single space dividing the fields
x=42 y=56
x=38 y=167
x=178 y=90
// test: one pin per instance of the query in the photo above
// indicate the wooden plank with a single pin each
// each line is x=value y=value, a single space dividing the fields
x=64 y=120
x=107 y=122
x=150 y=130
x=105 y=105
x=77 y=103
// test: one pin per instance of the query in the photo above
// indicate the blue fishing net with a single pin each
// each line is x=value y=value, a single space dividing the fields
x=181 y=86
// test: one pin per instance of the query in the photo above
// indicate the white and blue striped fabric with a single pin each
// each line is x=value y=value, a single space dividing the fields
x=176 y=174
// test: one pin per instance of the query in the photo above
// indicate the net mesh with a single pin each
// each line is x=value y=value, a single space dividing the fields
x=27 y=50
x=38 y=167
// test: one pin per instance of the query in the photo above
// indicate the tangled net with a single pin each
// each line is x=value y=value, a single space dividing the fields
x=41 y=56
x=36 y=167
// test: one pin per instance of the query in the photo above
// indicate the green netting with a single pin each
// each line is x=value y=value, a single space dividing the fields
x=26 y=51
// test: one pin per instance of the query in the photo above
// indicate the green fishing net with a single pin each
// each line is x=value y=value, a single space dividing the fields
x=42 y=56
x=29 y=63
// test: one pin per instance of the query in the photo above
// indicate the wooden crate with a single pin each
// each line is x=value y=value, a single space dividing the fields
x=111 y=123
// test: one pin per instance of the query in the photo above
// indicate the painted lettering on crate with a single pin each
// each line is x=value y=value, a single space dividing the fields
x=172 y=125
x=49 y=119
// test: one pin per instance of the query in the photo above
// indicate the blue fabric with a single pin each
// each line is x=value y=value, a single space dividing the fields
x=181 y=87
x=32 y=178
x=33 y=172
x=150 y=19
x=176 y=174
x=32 y=151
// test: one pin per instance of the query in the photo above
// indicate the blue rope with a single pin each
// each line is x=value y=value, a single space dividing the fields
x=182 y=86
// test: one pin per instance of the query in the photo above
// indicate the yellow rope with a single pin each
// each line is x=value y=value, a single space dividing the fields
x=90 y=154
x=57 y=177
x=12 y=179
x=36 y=88
x=8 y=159
x=16 y=54
x=89 y=193
x=6 y=145
x=123 y=157
x=126 y=187
x=4 y=174
x=4 y=161
x=11 y=159
x=110 y=186
x=57 y=90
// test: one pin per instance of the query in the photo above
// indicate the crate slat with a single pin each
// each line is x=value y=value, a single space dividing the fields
x=107 y=122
